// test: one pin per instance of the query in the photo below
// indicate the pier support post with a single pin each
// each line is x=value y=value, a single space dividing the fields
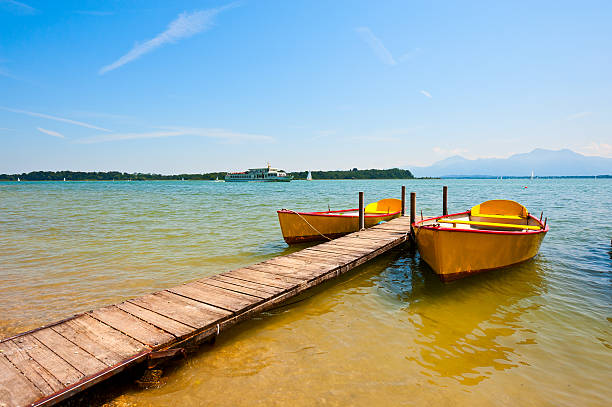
x=361 y=212
x=412 y=211
x=403 y=200
x=444 y=200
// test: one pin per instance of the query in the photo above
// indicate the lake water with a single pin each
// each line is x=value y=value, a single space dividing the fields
x=388 y=333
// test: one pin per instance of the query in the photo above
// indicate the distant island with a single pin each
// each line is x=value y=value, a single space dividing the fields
x=393 y=173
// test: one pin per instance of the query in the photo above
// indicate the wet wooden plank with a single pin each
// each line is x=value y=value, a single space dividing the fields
x=43 y=380
x=55 y=365
x=94 y=345
x=130 y=325
x=218 y=297
x=170 y=325
x=264 y=288
x=181 y=309
x=263 y=276
x=257 y=292
x=15 y=389
x=71 y=353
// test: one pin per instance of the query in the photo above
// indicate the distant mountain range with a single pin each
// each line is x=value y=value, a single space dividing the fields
x=541 y=162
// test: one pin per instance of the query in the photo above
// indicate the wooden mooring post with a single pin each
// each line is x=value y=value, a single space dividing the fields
x=412 y=211
x=444 y=200
x=361 y=212
x=403 y=200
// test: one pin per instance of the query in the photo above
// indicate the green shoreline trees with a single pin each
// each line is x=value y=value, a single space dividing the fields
x=393 y=173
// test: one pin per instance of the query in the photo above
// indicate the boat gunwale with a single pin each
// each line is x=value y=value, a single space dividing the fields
x=495 y=232
x=329 y=214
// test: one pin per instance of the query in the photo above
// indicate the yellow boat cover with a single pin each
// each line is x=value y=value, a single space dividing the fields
x=388 y=205
x=501 y=209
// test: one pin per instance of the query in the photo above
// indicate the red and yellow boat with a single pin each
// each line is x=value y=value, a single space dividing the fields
x=492 y=235
x=299 y=227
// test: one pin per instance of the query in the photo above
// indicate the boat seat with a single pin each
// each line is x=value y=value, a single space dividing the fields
x=500 y=209
x=389 y=205
x=490 y=224
x=512 y=217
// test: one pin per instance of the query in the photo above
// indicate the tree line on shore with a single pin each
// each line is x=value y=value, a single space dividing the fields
x=393 y=173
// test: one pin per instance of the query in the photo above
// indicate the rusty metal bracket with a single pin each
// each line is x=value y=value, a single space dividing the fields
x=155 y=358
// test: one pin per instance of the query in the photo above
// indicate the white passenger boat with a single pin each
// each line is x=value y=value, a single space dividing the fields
x=267 y=174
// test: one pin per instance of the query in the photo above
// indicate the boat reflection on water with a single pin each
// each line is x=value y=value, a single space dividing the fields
x=468 y=329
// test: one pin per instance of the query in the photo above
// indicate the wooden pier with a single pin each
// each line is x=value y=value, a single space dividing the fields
x=56 y=361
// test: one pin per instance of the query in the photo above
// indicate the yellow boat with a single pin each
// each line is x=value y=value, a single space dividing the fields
x=299 y=227
x=492 y=235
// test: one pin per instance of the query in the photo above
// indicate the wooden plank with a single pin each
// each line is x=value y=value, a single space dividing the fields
x=130 y=325
x=328 y=260
x=86 y=330
x=339 y=250
x=383 y=234
x=184 y=310
x=233 y=287
x=58 y=367
x=363 y=241
x=294 y=275
x=176 y=328
x=338 y=258
x=357 y=251
x=261 y=275
x=92 y=344
x=217 y=297
x=247 y=284
x=71 y=353
x=300 y=266
x=43 y=380
x=15 y=389
x=392 y=227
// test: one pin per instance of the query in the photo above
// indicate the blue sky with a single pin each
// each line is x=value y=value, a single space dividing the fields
x=196 y=86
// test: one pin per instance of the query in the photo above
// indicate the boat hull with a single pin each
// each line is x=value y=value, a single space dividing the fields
x=300 y=227
x=456 y=253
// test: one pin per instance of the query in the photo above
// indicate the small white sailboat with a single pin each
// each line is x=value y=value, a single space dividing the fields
x=64 y=179
x=309 y=176
x=218 y=180
x=531 y=174
x=18 y=180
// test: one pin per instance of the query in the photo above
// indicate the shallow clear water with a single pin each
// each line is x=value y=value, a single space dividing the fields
x=388 y=333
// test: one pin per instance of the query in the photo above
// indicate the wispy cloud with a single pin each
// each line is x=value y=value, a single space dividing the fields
x=598 y=149
x=57 y=119
x=376 y=45
x=578 y=115
x=425 y=93
x=19 y=6
x=184 y=26
x=50 y=132
x=221 y=134
x=448 y=152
